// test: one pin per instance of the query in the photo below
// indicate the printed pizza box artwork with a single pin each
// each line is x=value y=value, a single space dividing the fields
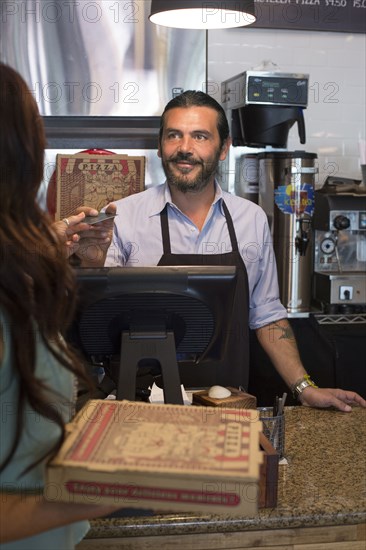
x=87 y=180
x=160 y=457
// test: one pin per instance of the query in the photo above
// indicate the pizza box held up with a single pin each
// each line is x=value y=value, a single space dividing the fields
x=161 y=457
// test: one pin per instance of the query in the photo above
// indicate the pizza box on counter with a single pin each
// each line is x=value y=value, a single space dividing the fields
x=160 y=457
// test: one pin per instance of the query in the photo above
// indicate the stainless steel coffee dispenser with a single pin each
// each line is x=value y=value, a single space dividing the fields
x=286 y=193
x=246 y=183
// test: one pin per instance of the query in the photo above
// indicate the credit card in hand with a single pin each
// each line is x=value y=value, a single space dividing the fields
x=101 y=217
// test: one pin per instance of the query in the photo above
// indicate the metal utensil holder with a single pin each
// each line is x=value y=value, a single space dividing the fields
x=273 y=428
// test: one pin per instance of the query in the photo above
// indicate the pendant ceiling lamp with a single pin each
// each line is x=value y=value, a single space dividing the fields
x=199 y=14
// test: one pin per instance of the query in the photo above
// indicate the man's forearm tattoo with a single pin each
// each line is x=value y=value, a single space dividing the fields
x=283 y=332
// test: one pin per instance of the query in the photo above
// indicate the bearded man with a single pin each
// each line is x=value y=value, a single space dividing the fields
x=190 y=220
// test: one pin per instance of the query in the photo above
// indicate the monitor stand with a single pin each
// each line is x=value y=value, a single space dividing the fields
x=159 y=346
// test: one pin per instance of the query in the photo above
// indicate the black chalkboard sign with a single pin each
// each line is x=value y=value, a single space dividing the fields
x=321 y=15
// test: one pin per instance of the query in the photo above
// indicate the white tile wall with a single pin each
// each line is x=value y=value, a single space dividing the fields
x=335 y=118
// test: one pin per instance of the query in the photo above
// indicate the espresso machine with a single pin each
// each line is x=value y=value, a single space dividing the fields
x=339 y=223
x=262 y=107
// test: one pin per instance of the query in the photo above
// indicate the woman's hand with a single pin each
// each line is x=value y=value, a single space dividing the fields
x=94 y=243
x=68 y=230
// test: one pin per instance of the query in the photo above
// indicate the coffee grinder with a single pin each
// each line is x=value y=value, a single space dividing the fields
x=262 y=107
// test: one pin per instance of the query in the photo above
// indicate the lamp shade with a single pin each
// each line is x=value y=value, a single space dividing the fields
x=200 y=14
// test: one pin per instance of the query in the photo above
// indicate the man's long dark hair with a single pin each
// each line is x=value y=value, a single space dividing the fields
x=193 y=98
x=37 y=287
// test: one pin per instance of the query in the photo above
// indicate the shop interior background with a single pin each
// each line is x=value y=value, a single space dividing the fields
x=105 y=58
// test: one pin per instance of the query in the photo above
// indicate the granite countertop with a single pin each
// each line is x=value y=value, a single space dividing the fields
x=323 y=483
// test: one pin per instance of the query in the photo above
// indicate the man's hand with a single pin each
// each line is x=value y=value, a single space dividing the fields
x=331 y=397
x=94 y=243
x=278 y=341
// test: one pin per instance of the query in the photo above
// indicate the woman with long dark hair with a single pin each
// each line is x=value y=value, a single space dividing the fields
x=38 y=371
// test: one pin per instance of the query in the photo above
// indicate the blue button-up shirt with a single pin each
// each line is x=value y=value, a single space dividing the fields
x=137 y=241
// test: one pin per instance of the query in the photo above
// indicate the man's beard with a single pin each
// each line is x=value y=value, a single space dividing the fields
x=184 y=183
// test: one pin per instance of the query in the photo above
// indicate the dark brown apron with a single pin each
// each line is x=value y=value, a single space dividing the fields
x=234 y=371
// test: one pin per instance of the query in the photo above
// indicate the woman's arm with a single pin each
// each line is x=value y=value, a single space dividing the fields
x=23 y=516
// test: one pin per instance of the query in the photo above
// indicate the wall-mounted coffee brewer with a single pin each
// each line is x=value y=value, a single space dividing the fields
x=262 y=107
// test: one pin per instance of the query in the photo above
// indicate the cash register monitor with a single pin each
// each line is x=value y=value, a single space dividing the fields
x=179 y=318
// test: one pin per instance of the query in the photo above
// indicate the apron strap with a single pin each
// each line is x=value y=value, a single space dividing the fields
x=166 y=235
x=230 y=226
x=165 y=230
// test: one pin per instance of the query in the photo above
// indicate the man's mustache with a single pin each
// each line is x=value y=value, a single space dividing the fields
x=184 y=157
